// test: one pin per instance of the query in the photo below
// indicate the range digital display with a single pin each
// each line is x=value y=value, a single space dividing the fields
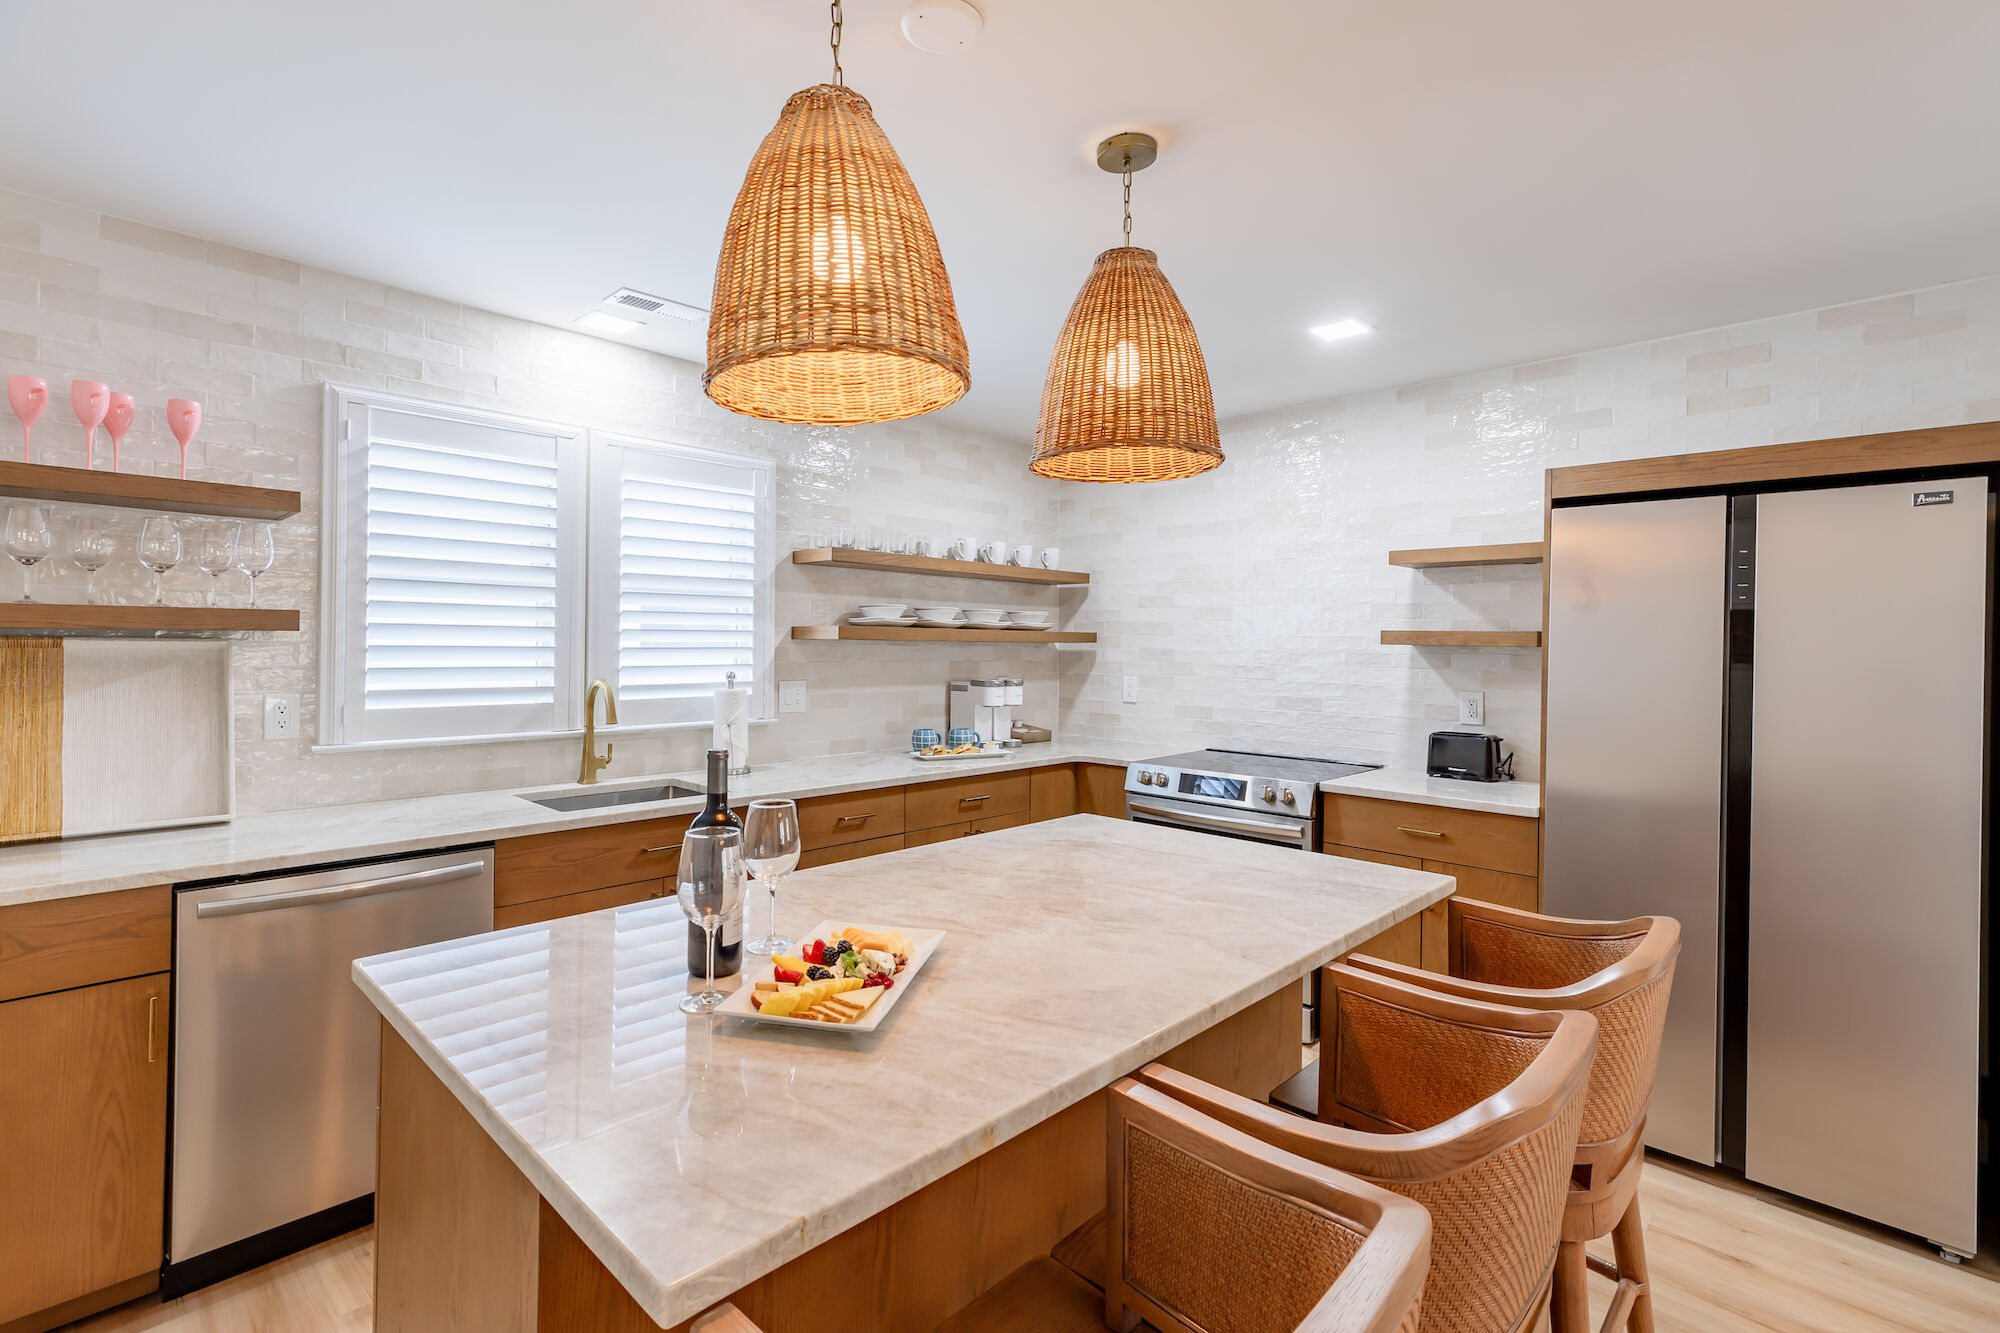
x=1205 y=784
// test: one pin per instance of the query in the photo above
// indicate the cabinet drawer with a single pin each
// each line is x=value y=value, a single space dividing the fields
x=553 y=865
x=574 y=904
x=850 y=851
x=933 y=804
x=852 y=816
x=68 y=942
x=1507 y=843
x=965 y=828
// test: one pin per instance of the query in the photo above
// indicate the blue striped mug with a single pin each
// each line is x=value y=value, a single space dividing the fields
x=964 y=736
x=923 y=738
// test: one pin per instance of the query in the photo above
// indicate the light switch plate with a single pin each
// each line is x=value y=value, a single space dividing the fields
x=1472 y=708
x=1131 y=689
x=791 y=696
x=281 y=717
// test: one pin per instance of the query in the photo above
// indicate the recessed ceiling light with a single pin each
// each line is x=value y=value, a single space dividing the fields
x=599 y=322
x=1341 y=328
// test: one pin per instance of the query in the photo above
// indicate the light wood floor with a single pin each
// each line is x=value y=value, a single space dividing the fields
x=1726 y=1259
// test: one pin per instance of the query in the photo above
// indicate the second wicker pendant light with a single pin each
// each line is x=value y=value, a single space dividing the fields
x=1127 y=396
x=831 y=305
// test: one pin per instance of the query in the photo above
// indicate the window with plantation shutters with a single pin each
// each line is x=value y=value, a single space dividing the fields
x=679 y=542
x=458 y=603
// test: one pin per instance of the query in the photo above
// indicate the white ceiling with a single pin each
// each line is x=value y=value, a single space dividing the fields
x=1488 y=182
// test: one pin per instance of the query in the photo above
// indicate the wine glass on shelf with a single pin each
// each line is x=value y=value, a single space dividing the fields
x=254 y=555
x=215 y=545
x=770 y=852
x=27 y=540
x=710 y=886
x=90 y=544
x=184 y=419
x=27 y=395
x=159 y=551
x=118 y=420
x=90 y=401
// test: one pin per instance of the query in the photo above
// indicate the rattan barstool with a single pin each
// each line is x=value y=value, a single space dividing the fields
x=1470 y=1108
x=1623 y=972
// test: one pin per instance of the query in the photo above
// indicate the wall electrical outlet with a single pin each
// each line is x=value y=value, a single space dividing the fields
x=1472 y=708
x=281 y=717
x=791 y=696
x=1131 y=689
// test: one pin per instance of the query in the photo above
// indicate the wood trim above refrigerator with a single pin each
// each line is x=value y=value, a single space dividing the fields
x=1851 y=456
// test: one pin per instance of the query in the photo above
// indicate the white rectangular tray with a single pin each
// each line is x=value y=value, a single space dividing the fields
x=985 y=752
x=923 y=943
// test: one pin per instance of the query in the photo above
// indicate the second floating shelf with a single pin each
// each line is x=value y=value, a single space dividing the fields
x=846 y=558
x=1462 y=638
x=903 y=634
x=74 y=618
x=133 y=490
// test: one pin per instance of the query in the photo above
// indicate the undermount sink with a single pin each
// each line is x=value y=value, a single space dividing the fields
x=597 y=800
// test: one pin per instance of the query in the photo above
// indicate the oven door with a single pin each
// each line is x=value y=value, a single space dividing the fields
x=1278 y=830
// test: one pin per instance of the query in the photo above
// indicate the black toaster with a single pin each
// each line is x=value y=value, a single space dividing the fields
x=1471 y=755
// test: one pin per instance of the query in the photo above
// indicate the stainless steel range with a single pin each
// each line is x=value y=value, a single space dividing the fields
x=1269 y=798
x=1235 y=793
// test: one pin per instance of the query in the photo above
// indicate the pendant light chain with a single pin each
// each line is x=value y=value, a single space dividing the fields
x=1128 y=199
x=833 y=39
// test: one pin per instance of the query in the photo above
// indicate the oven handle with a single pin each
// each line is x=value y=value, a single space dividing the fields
x=1298 y=834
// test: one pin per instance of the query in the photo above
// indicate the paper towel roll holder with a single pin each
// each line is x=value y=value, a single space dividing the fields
x=729 y=682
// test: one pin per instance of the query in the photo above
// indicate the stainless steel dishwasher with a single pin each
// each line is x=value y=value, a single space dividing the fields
x=275 y=1051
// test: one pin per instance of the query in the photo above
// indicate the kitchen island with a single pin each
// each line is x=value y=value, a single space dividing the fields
x=562 y=1149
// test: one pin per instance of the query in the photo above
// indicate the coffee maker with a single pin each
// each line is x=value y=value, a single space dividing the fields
x=985 y=706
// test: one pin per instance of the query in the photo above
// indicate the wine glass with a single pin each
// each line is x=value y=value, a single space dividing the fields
x=118 y=420
x=27 y=540
x=159 y=551
x=770 y=852
x=254 y=555
x=90 y=401
x=215 y=550
x=710 y=884
x=27 y=395
x=90 y=550
x=183 y=419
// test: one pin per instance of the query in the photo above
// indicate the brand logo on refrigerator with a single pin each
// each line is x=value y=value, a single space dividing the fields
x=1922 y=498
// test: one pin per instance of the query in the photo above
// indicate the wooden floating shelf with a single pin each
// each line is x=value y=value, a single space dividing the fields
x=1462 y=638
x=907 y=634
x=845 y=558
x=1452 y=557
x=66 y=618
x=130 y=490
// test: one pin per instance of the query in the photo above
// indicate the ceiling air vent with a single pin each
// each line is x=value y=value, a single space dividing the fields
x=652 y=309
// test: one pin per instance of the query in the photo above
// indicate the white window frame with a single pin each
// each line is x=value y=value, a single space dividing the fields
x=343 y=553
x=602 y=579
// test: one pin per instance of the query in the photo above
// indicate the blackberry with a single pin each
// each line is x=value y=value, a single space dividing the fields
x=837 y=948
x=818 y=973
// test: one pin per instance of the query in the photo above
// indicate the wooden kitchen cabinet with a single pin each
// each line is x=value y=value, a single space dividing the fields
x=83 y=1104
x=957 y=800
x=577 y=861
x=850 y=851
x=1402 y=942
x=1052 y=792
x=966 y=828
x=574 y=904
x=850 y=816
x=1100 y=790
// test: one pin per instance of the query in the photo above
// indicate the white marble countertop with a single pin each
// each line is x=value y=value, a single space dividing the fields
x=695 y=1155
x=1405 y=784
x=280 y=840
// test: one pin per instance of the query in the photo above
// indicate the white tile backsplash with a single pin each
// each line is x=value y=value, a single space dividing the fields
x=1249 y=602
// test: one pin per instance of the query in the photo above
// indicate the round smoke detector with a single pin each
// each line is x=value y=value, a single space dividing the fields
x=942 y=27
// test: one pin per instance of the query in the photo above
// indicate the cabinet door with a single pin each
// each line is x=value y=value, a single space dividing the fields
x=1486 y=886
x=83 y=1126
x=1052 y=792
x=850 y=851
x=574 y=904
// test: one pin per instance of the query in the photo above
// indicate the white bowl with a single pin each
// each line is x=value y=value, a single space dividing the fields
x=1028 y=617
x=937 y=612
x=995 y=622
x=884 y=611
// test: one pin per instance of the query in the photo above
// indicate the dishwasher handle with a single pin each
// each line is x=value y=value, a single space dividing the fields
x=272 y=902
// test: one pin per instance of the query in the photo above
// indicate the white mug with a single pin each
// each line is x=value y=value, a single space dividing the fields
x=1051 y=557
x=994 y=553
x=929 y=547
x=1022 y=556
x=962 y=548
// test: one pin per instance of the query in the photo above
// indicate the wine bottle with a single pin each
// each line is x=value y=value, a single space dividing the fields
x=715 y=813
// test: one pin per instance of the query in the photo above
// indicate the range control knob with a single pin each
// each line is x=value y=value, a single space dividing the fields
x=1268 y=794
x=1289 y=798
x=1145 y=778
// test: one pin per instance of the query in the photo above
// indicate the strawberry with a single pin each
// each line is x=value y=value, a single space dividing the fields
x=816 y=952
x=785 y=974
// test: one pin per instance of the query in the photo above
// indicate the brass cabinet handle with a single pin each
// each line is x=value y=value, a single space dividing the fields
x=1417 y=832
x=854 y=819
x=152 y=1006
x=670 y=847
x=974 y=800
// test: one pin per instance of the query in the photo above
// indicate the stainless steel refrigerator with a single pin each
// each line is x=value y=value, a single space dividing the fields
x=1768 y=717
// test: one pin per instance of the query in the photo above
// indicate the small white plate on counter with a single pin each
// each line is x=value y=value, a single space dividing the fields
x=983 y=752
x=882 y=620
x=923 y=943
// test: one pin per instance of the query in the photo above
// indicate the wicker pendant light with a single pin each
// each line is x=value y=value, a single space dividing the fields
x=1127 y=397
x=831 y=305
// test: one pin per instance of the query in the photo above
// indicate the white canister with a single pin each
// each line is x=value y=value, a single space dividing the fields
x=994 y=553
x=1051 y=557
x=963 y=548
x=1022 y=556
x=732 y=725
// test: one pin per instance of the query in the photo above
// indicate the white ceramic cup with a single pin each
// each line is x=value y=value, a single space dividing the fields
x=1022 y=556
x=985 y=615
x=994 y=553
x=1051 y=557
x=883 y=610
x=962 y=548
x=930 y=547
x=1028 y=617
x=938 y=612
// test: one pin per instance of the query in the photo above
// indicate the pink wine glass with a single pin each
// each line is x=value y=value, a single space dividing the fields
x=118 y=420
x=90 y=401
x=27 y=395
x=184 y=419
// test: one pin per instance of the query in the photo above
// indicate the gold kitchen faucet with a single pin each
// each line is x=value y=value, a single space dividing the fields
x=592 y=761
